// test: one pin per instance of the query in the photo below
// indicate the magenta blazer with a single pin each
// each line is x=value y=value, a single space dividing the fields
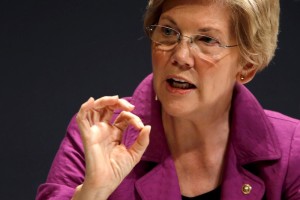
x=262 y=159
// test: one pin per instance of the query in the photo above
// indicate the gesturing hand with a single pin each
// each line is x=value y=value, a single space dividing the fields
x=108 y=161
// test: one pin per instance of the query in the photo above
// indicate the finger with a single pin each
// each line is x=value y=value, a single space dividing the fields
x=125 y=105
x=139 y=146
x=105 y=106
x=125 y=118
x=93 y=117
x=82 y=115
x=113 y=102
x=106 y=101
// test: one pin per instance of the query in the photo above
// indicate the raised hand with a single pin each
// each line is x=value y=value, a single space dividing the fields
x=108 y=161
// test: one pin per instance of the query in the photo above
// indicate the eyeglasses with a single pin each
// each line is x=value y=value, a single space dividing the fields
x=167 y=38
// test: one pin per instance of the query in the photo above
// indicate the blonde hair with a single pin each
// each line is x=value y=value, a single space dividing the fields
x=255 y=24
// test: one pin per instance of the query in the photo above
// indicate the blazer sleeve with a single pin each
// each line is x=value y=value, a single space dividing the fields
x=68 y=168
x=292 y=186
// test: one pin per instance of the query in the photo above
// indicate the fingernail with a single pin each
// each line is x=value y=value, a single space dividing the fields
x=131 y=106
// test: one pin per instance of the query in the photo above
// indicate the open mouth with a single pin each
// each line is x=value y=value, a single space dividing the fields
x=180 y=84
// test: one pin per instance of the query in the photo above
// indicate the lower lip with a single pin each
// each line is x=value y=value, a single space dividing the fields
x=177 y=90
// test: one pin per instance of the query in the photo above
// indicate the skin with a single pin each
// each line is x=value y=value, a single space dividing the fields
x=199 y=117
x=105 y=155
x=214 y=79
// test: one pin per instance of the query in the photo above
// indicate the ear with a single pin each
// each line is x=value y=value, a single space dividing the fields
x=246 y=73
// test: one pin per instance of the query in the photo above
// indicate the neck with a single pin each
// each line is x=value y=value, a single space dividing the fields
x=204 y=133
x=198 y=149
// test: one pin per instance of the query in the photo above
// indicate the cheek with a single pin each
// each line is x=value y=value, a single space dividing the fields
x=230 y=66
x=159 y=59
x=156 y=58
x=159 y=68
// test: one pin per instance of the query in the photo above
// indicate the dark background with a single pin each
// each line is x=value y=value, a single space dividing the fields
x=55 y=54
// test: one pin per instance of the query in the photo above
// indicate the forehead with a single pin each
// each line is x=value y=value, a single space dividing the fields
x=201 y=12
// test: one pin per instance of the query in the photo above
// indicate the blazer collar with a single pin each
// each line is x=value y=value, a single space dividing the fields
x=251 y=139
x=251 y=136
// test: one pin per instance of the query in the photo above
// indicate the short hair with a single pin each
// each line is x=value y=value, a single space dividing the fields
x=255 y=24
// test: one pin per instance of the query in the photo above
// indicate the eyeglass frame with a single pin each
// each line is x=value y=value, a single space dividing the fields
x=180 y=36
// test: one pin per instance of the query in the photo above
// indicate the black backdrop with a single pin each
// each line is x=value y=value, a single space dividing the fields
x=55 y=54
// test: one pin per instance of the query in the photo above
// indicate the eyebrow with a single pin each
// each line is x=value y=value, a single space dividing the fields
x=169 y=19
x=201 y=30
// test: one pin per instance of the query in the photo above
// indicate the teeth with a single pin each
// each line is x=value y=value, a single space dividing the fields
x=179 y=80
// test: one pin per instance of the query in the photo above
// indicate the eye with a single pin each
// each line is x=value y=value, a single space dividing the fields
x=207 y=40
x=166 y=31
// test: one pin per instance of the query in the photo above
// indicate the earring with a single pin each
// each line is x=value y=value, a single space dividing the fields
x=242 y=77
x=156 y=98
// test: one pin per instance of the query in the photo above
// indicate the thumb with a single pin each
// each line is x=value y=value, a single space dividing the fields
x=140 y=145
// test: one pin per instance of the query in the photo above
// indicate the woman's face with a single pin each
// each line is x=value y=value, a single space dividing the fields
x=187 y=80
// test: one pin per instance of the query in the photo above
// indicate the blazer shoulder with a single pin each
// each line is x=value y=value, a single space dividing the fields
x=283 y=122
x=273 y=115
x=287 y=129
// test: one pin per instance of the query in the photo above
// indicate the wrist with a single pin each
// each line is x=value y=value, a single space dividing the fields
x=84 y=192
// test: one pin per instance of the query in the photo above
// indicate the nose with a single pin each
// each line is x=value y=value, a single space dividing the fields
x=182 y=55
x=190 y=39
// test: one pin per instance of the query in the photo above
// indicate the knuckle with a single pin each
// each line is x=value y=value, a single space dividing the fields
x=124 y=113
x=78 y=117
x=82 y=106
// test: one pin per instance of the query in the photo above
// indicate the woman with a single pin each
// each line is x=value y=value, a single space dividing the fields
x=210 y=138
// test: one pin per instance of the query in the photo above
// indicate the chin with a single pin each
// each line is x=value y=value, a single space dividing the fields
x=176 y=107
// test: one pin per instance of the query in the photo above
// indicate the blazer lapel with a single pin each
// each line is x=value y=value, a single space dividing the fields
x=160 y=183
x=238 y=183
x=251 y=141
